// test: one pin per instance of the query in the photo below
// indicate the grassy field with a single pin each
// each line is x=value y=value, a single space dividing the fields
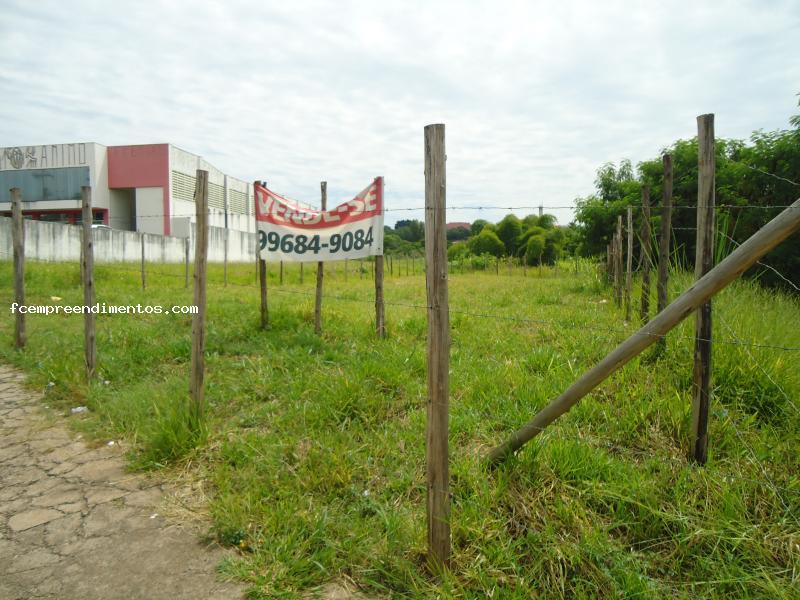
x=313 y=450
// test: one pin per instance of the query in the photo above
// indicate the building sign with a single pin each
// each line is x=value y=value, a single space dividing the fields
x=289 y=232
x=43 y=157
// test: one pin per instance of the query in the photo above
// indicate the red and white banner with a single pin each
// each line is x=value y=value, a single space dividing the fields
x=289 y=232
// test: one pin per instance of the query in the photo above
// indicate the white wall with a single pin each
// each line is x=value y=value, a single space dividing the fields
x=62 y=243
x=150 y=210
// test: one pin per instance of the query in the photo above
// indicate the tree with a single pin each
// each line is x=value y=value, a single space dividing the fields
x=509 y=230
x=477 y=226
x=457 y=233
x=457 y=251
x=486 y=242
x=534 y=248
x=411 y=230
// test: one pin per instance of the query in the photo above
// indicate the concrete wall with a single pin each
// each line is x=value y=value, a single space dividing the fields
x=150 y=209
x=62 y=243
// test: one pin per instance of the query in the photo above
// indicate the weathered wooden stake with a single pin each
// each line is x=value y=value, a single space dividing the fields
x=663 y=241
x=301 y=273
x=704 y=257
x=736 y=263
x=438 y=349
x=380 y=315
x=280 y=276
x=18 y=237
x=629 y=266
x=618 y=263
x=196 y=383
x=646 y=260
x=186 y=262
x=225 y=262
x=262 y=281
x=144 y=272
x=90 y=348
x=320 y=267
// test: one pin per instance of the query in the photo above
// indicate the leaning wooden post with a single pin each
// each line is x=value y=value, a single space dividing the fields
x=18 y=236
x=618 y=264
x=144 y=272
x=629 y=266
x=90 y=349
x=664 y=239
x=646 y=260
x=380 y=315
x=320 y=267
x=438 y=348
x=736 y=263
x=703 y=263
x=196 y=383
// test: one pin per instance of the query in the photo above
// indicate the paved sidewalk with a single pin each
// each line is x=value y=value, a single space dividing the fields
x=75 y=525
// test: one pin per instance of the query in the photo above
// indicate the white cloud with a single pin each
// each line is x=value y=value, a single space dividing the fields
x=535 y=95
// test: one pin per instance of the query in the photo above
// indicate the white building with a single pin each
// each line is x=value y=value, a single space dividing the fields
x=147 y=188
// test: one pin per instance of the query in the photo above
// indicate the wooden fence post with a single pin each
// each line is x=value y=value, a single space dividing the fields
x=736 y=263
x=186 y=264
x=262 y=282
x=197 y=386
x=280 y=275
x=144 y=272
x=90 y=349
x=225 y=261
x=261 y=267
x=18 y=235
x=301 y=273
x=380 y=315
x=704 y=257
x=320 y=267
x=618 y=263
x=629 y=266
x=646 y=259
x=438 y=476
x=664 y=238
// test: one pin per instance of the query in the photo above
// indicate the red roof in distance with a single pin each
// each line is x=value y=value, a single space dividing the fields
x=457 y=225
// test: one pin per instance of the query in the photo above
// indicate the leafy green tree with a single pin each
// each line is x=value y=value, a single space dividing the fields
x=411 y=230
x=534 y=249
x=509 y=230
x=486 y=242
x=477 y=226
x=457 y=233
x=457 y=251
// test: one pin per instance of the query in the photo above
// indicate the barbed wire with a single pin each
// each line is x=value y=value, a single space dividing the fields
x=484 y=315
x=636 y=207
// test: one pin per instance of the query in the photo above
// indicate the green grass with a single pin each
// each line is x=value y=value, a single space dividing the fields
x=315 y=446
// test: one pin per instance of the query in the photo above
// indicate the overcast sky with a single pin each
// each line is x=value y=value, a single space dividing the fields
x=534 y=95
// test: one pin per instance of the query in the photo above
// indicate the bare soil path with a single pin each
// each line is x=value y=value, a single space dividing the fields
x=75 y=524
